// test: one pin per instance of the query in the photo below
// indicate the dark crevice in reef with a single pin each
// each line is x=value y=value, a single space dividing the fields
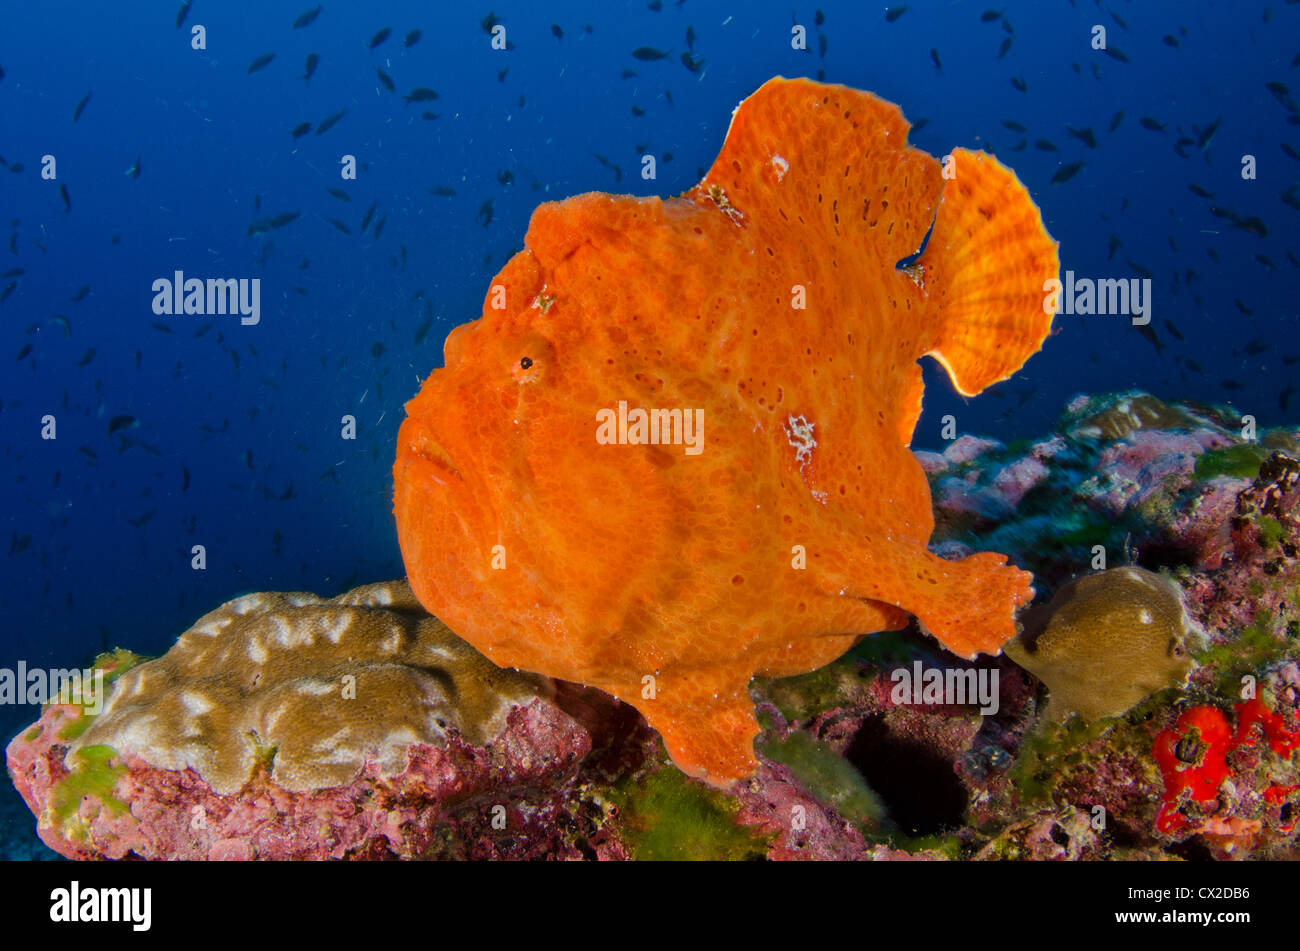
x=919 y=788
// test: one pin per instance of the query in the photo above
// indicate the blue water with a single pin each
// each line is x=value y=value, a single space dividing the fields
x=238 y=445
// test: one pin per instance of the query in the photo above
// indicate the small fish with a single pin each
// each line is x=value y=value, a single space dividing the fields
x=485 y=213
x=1066 y=172
x=1014 y=126
x=134 y=170
x=1242 y=307
x=313 y=60
x=1019 y=83
x=339 y=225
x=81 y=107
x=23 y=353
x=280 y=220
x=1115 y=245
x=261 y=62
x=14 y=272
x=557 y=32
x=1291 y=152
x=370 y=212
x=1199 y=192
x=379 y=37
x=638 y=111
x=1232 y=385
x=301 y=129
x=1174 y=331
x=119 y=423
x=429 y=115
x=690 y=35
x=185 y=478
x=385 y=80
x=490 y=22
x=988 y=16
x=307 y=18
x=1045 y=145
x=1170 y=40
x=505 y=176
x=618 y=172
x=1253 y=347
x=86 y=357
x=934 y=55
x=1005 y=47
x=1149 y=333
x=339 y=193
x=1115 y=121
x=1083 y=135
x=63 y=193
x=692 y=62
x=920 y=124
x=1284 y=398
x=421 y=94
x=1152 y=124
x=160 y=327
x=412 y=38
x=1115 y=53
x=62 y=323
x=423 y=330
x=648 y=54
x=182 y=13
x=82 y=293
x=139 y=522
x=442 y=191
x=330 y=121
x=893 y=13
x=1205 y=136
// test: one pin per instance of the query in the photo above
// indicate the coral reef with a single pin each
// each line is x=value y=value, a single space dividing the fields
x=1162 y=763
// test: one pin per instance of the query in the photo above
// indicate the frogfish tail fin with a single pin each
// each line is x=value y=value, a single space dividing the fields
x=987 y=266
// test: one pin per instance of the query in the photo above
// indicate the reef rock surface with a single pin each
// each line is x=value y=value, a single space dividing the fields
x=239 y=743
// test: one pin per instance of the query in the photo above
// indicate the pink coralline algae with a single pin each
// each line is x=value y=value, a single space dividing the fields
x=176 y=814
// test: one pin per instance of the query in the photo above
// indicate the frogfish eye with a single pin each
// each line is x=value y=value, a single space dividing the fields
x=526 y=363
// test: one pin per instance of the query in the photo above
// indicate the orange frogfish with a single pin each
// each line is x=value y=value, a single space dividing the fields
x=673 y=452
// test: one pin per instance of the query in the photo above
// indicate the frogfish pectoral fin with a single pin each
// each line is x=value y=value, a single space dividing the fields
x=968 y=605
x=706 y=719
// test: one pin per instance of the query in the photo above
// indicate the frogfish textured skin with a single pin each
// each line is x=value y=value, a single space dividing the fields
x=765 y=305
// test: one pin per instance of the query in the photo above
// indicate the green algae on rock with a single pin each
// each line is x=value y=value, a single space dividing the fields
x=314 y=688
x=1107 y=641
x=666 y=815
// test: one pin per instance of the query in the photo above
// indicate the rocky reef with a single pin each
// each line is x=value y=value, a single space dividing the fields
x=1156 y=714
